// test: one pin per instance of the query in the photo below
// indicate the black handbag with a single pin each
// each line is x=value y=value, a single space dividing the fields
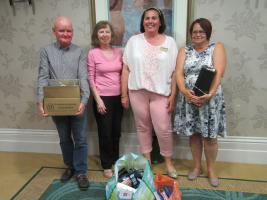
x=204 y=80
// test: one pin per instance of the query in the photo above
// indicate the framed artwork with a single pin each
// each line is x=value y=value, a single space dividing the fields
x=125 y=16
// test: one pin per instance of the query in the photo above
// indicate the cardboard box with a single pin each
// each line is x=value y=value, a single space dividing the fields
x=61 y=100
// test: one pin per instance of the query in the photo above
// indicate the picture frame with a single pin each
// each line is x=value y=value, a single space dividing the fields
x=181 y=13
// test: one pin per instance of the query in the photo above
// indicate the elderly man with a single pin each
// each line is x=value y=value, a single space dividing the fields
x=64 y=60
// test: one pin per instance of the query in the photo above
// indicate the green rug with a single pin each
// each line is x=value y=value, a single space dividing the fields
x=96 y=191
x=70 y=191
x=202 y=194
x=43 y=184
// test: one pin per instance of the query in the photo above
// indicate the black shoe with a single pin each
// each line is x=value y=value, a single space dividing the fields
x=83 y=182
x=68 y=173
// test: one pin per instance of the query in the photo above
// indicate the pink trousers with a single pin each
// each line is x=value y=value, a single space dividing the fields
x=150 y=110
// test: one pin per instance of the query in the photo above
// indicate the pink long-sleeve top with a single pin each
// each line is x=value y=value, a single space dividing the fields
x=105 y=73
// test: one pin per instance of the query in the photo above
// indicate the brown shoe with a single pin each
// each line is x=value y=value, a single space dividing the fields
x=83 y=182
x=68 y=173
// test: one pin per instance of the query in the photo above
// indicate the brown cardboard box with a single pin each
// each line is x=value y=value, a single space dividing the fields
x=61 y=100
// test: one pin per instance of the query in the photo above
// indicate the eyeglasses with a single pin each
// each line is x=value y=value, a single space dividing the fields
x=199 y=32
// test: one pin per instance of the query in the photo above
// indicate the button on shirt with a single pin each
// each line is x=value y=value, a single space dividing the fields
x=62 y=63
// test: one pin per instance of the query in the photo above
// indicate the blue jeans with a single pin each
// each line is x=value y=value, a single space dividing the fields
x=72 y=131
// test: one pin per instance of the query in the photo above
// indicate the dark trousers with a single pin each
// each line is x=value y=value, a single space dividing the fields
x=109 y=130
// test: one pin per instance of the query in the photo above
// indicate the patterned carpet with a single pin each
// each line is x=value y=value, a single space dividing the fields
x=39 y=183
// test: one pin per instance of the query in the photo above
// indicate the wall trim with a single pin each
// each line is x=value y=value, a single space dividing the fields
x=231 y=149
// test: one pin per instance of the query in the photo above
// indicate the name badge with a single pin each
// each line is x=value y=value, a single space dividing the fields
x=165 y=49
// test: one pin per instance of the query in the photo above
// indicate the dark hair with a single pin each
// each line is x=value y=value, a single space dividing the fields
x=101 y=24
x=204 y=24
x=161 y=18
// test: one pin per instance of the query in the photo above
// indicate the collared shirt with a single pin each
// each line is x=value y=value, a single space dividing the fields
x=66 y=63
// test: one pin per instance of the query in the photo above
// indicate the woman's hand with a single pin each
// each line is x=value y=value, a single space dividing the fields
x=101 y=108
x=124 y=87
x=201 y=100
x=190 y=96
x=125 y=101
x=170 y=103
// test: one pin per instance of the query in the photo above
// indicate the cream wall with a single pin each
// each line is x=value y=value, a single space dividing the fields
x=242 y=26
x=21 y=37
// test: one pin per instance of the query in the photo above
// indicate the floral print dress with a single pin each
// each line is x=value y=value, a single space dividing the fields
x=208 y=120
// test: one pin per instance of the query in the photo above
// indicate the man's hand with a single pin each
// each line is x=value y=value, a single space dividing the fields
x=40 y=110
x=81 y=109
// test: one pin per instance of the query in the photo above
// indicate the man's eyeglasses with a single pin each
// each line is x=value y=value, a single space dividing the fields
x=199 y=32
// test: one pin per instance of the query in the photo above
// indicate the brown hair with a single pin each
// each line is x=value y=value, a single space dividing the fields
x=101 y=24
x=161 y=18
x=204 y=24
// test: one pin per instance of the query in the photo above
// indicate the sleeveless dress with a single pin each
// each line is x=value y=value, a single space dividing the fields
x=208 y=120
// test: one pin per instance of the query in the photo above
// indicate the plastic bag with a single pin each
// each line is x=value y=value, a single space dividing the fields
x=145 y=189
x=167 y=185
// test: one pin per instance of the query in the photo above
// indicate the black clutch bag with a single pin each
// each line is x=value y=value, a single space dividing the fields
x=204 y=80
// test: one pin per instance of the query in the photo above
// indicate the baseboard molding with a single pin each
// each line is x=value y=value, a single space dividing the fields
x=231 y=149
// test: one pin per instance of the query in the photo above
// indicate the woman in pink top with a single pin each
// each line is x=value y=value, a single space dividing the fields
x=104 y=74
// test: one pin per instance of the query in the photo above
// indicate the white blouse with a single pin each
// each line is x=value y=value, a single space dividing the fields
x=150 y=67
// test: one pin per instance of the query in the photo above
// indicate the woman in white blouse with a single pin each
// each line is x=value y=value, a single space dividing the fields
x=148 y=82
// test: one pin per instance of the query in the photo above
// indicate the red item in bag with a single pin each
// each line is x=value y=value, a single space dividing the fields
x=162 y=181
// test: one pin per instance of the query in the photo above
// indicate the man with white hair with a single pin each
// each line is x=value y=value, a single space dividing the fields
x=64 y=60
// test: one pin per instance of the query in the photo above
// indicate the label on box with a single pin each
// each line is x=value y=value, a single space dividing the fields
x=61 y=106
x=61 y=100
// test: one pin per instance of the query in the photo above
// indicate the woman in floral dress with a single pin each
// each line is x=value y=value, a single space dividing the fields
x=202 y=118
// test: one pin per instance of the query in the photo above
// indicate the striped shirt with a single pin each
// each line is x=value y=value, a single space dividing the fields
x=66 y=63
